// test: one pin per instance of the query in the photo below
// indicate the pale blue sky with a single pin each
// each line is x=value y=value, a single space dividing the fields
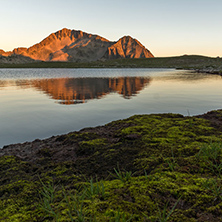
x=165 y=27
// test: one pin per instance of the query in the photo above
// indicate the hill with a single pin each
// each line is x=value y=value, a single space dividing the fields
x=191 y=62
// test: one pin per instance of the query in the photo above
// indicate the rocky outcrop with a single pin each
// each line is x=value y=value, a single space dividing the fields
x=127 y=47
x=15 y=59
x=74 y=46
x=2 y=52
x=210 y=70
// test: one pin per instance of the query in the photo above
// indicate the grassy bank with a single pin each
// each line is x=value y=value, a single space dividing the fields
x=164 y=167
x=183 y=62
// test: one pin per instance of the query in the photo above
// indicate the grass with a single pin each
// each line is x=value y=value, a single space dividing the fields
x=75 y=206
x=124 y=176
x=171 y=162
x=214 y=186
x=163 y=215
x=182 y=62
x=121 y=217
x=48 y=200
x=92 y=189
x=78 y=205
x=211 y=155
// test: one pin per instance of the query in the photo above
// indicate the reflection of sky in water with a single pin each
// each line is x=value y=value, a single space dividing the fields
x=30 y=108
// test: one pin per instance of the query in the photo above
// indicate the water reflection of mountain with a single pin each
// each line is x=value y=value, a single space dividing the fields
x=2 y=84
x=78 y=90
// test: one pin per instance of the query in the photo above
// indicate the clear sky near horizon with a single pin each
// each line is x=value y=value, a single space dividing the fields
x=165 y=27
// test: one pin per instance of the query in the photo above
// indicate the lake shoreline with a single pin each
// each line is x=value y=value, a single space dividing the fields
x=113 y=167
x=58 y=101
x=25 y=150
x=186 y=62
x=209 y=71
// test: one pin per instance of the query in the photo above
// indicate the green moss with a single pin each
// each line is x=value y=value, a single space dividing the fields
x=169 y=158
x=82 y=136
x=5 y=160
x=95 y=142
x=91 y=146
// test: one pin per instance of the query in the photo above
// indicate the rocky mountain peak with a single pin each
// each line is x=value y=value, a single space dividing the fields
x=127 y=47
x=1 y=51
x=76 y=45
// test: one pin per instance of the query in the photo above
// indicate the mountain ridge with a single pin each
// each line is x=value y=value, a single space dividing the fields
x=78 y=46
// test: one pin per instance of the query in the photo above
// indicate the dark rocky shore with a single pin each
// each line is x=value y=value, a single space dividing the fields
x=63 y=149
x=217 y=71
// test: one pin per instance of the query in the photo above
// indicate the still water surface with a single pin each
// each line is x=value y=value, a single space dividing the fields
x=39 y=103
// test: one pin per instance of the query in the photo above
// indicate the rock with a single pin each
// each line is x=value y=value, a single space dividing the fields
x=127 y=47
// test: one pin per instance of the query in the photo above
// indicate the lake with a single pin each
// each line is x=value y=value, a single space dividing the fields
x=39 y=103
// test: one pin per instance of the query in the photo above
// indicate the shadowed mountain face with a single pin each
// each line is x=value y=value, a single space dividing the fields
x=79 y=90
x=16 y=59
x=72 y=45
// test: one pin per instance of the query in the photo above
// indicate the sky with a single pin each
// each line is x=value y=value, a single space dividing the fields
x=165 y=27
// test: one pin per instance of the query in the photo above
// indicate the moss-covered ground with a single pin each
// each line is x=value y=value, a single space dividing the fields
x=158 y=167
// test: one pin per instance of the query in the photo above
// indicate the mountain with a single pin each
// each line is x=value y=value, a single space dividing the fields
x=78 y=46
x=127 y=47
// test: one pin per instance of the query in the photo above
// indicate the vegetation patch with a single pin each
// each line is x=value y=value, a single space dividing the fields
x=158 y=167
x=208 y=64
